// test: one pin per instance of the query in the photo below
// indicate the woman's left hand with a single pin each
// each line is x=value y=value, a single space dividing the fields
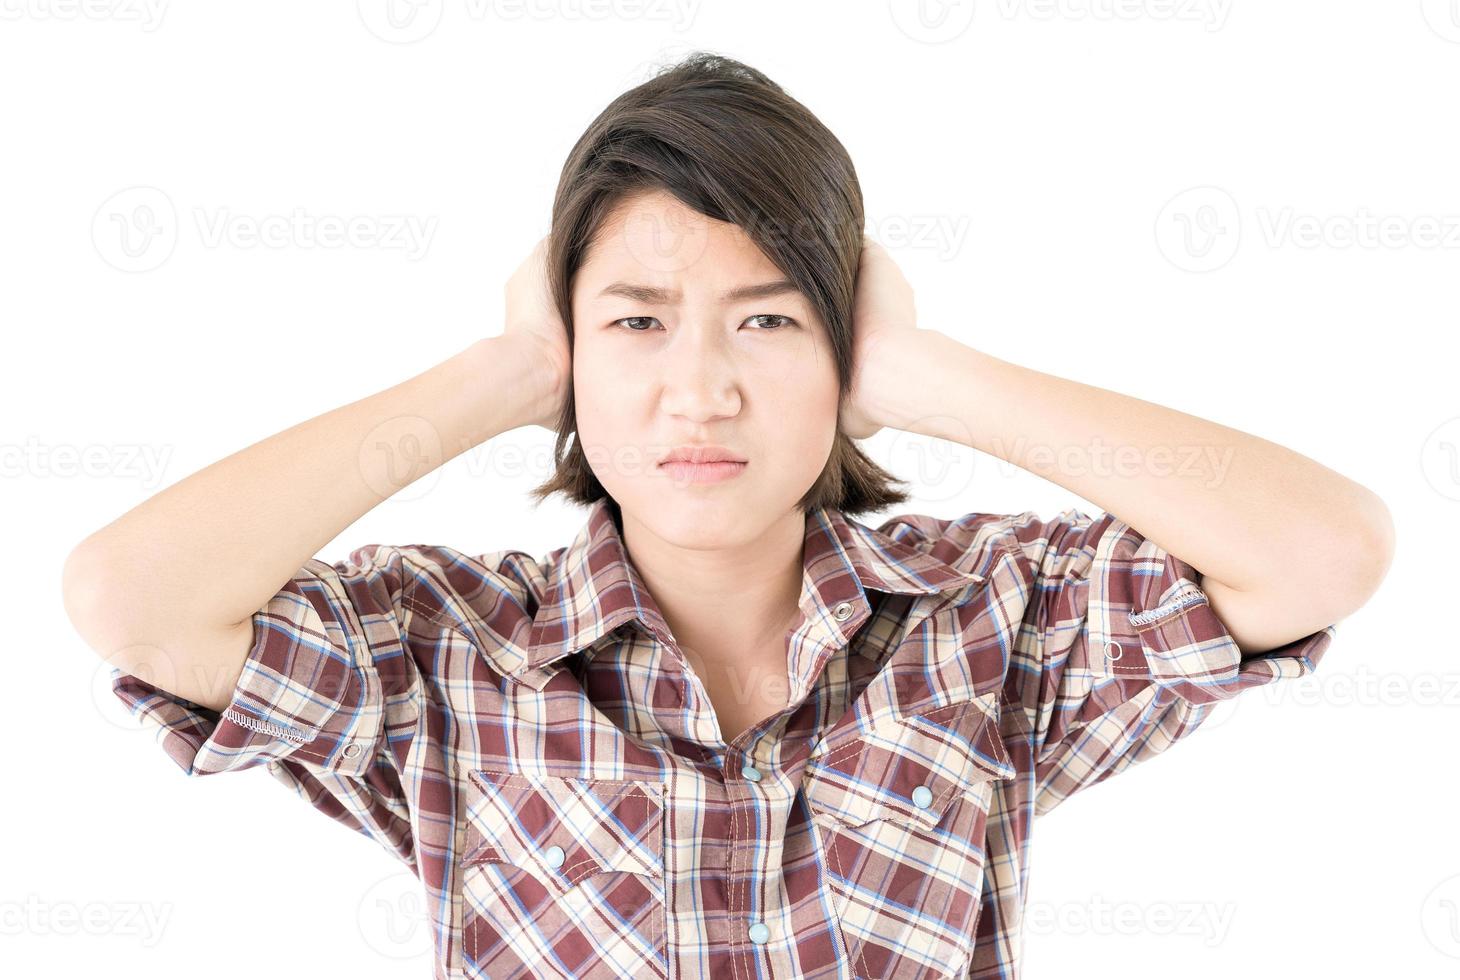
x=883 y=316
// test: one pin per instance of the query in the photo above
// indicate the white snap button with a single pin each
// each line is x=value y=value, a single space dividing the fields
x=922 y=797
x=553 y=857
x=759 y=932
x=842 y=612
x=751 y=773
x=1118 y=651
x=352 y=750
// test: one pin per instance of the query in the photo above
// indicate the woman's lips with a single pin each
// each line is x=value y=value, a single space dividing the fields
x=685 y=472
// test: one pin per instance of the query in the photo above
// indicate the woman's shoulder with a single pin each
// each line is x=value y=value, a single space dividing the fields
x=972 y=537
x=448 y=583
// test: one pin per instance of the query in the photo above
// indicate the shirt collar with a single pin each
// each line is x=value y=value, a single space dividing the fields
x=593 y=588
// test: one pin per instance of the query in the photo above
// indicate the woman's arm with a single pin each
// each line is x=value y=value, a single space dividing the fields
x=168 y=589
x=1285 y=545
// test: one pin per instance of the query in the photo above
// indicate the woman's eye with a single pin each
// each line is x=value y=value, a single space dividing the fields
x=764 y=321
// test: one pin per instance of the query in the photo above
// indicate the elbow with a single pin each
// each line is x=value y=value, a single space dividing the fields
x=94 y=602
x=1370 y=548
x=82 y=588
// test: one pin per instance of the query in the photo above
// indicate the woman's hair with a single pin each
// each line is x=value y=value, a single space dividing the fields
x=731 y=144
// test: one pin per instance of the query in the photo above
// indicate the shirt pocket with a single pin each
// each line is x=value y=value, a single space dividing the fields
x=562 y=877
x=900 y=813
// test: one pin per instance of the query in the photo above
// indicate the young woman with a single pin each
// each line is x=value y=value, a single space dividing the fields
x=729 y=730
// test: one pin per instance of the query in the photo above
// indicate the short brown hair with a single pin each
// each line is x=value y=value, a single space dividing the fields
x=731 y=144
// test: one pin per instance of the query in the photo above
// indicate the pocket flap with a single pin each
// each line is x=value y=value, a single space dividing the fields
x=564 y=829
x=911 y=768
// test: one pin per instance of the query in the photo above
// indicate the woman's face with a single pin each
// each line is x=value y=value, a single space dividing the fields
x=682 y=336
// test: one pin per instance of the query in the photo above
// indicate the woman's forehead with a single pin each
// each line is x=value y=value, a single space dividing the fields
x=654 y=233
x=669 y=275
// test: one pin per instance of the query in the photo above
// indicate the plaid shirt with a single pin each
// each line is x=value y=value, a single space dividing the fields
x=526 y=737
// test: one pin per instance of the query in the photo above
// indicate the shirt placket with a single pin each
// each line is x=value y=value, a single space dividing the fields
x=747 y=781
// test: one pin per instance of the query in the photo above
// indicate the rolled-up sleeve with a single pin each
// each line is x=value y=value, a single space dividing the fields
x=327 y=698
x=1119 y=653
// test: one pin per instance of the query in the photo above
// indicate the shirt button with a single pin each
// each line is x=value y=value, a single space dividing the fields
x=842 y=612
x=751 y=773
x=553 y=857
x=922 y=797
x=351 y=750
x=759 y=932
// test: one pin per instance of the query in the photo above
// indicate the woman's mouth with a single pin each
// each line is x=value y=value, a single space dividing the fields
x=683 y=471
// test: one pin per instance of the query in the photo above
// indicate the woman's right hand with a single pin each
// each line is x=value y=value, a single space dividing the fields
x=534 y=327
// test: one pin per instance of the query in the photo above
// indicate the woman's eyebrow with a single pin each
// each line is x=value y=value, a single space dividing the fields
x=654 y=294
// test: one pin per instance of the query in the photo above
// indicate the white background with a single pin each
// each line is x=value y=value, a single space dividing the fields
x=1165 y=199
